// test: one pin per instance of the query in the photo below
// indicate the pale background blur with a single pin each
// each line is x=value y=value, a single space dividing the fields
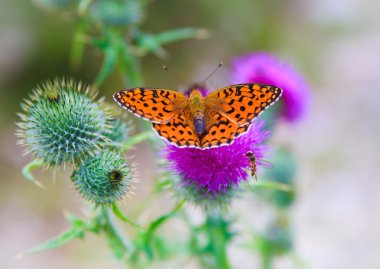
x=335 y=44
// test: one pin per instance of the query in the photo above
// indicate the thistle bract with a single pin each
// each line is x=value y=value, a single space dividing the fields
x=103 y=178
x=209 y=201
x=119 y=130
x=61 y=122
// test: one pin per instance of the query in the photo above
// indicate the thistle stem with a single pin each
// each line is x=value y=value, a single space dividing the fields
x=120 y=245
x=217 y=241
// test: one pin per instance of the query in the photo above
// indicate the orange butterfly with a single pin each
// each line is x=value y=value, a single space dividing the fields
x=200 y=122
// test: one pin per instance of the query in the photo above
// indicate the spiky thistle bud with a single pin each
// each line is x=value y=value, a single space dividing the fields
x=103 y=178
x=54 y=4
x=61 y=122
x=120 y=127
x=116 y=12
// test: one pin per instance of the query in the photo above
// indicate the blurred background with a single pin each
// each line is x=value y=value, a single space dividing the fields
x=335 y=44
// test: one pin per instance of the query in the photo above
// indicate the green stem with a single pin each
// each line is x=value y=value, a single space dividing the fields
x=120 y=245
x=266 y=261
x=130 y=67
x=27 y=171
x=78 y=45
x=83 y=7
x=217 y=240
x=110 y=57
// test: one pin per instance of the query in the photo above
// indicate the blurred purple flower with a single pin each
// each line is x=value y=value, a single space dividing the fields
x=262 y=67
x=216 y=169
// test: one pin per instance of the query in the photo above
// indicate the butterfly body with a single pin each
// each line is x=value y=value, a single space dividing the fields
x=200 y=121
x=197 y=108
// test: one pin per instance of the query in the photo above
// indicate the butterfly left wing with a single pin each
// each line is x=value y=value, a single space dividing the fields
x=242 y=103
x=178 y=131
x=154 y=105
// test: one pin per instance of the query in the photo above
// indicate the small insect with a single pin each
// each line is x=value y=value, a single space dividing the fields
x=200 y=122
x=252 y=163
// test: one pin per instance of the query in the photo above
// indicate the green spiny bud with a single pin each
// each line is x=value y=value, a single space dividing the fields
x=54 y=4
x=120 y=128
x=61 y=122
x=277 y=239
x=103 y=178
x=117 y=12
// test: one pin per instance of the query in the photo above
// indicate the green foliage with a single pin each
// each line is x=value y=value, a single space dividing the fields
x=61 y=122
x=103 y=178
x=283 y=172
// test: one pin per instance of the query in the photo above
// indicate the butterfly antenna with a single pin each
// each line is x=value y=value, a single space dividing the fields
x=174 y=74
x=213 y=72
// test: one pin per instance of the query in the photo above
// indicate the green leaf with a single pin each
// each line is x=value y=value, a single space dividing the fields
x=148 y=234
x=75 y=231
x=116 y=210
x=274 y=185
x=27 y=171
x=136 y=139
x=110 y=56
x=175 y=35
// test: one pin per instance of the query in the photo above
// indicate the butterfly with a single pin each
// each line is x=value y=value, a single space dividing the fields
x=196 y=121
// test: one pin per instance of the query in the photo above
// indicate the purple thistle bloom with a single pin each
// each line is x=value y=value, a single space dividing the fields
x=216 y=169
x=262 y=67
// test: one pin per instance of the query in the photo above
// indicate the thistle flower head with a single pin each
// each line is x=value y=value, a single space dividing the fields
x=103 y=178
x=265 y=68
x=61 y=122
x=216 y=170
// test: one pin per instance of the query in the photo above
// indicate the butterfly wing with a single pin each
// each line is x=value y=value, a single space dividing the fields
x=154 y=105
x=231 y=110
x=242 y=103
x=221 y=132
x=178 y=131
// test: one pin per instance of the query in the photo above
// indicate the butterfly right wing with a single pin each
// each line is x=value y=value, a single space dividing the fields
x=154 y=105
x=221 y=131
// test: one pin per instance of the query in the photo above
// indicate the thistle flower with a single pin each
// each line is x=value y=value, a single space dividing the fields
x=216 y=170
x=61 y=122
x=103 y=178
x=265 y=68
